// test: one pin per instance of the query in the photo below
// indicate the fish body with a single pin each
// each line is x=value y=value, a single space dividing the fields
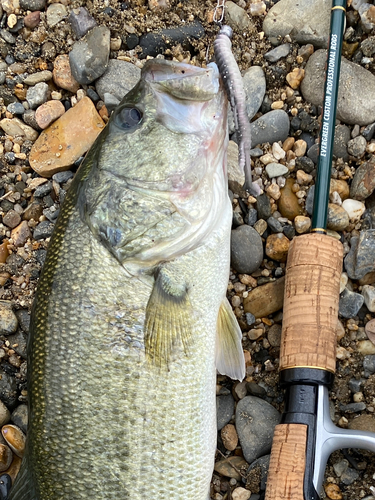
x=124 y=331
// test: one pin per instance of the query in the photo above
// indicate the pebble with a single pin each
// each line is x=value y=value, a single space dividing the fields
x=363 y=423
x=274 y=335
x=260 y=468
x=20 y=234
x=4 y=414
x=338 y=218
x=357 y=146
x=303 y=178
x=32 y=19
x=354 y=209
x=8 y=320
x=6 y=457
x=356 y=98
x=277 y=53
x=368 y=293
x=20 y=417
x=370 y=330
x=8 y=389
x=276 y=170
x=43 y=230
x=359 y=261
x=273 y=190
x=255 y=423
x=229 y=437
x=236 y=17
x=302 y=224
x=224 y=410
x=333 y=491
x=295 y=77
x=366 y=347
x=15 y=127
x=288 y=202
x=11 y=219
x=271 y=127
x=15 y=439
x=350 y=303
x=369 y=364
x=340 y=143
x=33 y=5
x=48 y=112
x=260 y=226
x=363 y=183
x=263 y=207
x=277 y=246
x=119 y=78
x=39 y=77
x=229 y=467
x=266 y=299
x=89 y=56
x=353 y=407
x=304 y=22
x=62 y=75
x=16 y=108
x=81 y=21
x=59 y=146
x=155 y=43
x=246 y=249
x=341 y=187
x=241 y=494
x=56 y=12
x=37 y=95
x=274 y=225
x=300 y=147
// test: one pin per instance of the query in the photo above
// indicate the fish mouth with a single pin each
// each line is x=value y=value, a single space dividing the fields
x=183 y=81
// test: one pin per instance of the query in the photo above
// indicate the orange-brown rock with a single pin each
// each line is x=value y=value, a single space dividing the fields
x=277 y=246
x=62 y=74
x=6 y=457
x=333 y=491
x=4 y=252
x=20 y=234
x=14 y=468
x=67 y=139
x=229 y=467
x=341 y=187
x=265 y=299
x=15 y=439
x=288 y=202
x=229 y=437
x=48 y=112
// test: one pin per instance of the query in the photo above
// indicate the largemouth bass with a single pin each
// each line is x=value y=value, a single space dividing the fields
x=130 y=321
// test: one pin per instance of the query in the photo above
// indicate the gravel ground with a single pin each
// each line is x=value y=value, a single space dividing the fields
x=283 y=90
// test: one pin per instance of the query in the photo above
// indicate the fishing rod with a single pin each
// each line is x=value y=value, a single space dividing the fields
x=306 y=436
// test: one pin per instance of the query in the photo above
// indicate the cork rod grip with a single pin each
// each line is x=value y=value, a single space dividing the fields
x=311 y=299
x=287 y=463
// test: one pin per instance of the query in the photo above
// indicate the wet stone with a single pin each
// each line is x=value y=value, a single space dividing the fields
x=43 y=230
x=338 y=218
x=255 y=423
x=56 y=12
x=81 y=21
x=266 y=299
x=224 y=409
x=8 y=389
x=246 y=249
x=62 y=74
x=363 y=183
x=277 y=53
x=288 y=202
x=263 y=207
x=32 y=19
x=350 y=303
x=48 y=112
x=16 y=108
x=357 y=146
x=274 y=225
x=89 y=56
x=251 y=217
x=40 y=76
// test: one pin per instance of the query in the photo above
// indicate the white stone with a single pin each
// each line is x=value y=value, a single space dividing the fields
x=343 y=281
x=368 y=293
x=366 y=347
x=278 y=151
x=241 y=494
x=354 y=209
x=276 y=170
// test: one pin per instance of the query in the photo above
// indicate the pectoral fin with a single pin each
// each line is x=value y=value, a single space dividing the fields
x=168 y=319
x=230 y=359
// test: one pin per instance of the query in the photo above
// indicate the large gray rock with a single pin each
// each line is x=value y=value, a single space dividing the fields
x=89 y=56
x=305 y=21
x=255 y=423
x=120 y=77
x=246 y=249
x=356 y=99
x=271 y=127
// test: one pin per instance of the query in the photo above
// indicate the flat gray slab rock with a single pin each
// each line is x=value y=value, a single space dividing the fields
x=255 y=423
x=306 y=21
x=356 y=99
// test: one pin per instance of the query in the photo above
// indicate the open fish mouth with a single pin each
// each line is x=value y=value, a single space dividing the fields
x=183 y=81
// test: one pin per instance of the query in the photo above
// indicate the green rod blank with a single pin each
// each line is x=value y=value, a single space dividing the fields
x=327 y=130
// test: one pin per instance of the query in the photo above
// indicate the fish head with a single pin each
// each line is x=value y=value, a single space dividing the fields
x=166 y=144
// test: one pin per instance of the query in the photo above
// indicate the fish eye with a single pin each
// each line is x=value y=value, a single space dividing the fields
x=128 y=117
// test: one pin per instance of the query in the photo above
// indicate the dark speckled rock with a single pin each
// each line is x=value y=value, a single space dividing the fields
x=224 y=409
x=360 y=259
x=350 y=303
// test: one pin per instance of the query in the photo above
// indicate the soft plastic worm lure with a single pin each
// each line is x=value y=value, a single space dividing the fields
x=232 y=79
